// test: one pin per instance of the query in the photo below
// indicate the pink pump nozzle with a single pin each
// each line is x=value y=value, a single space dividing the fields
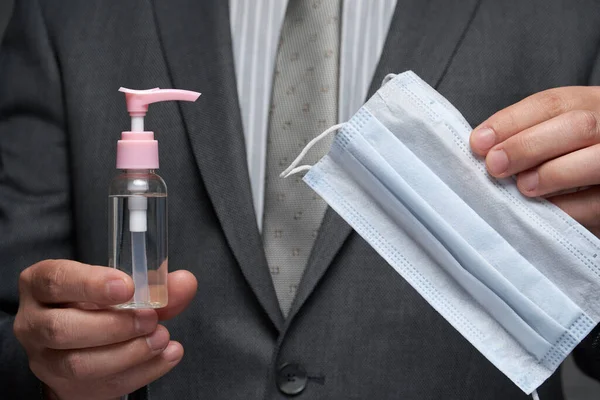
x=137 y=149
x=138 y=100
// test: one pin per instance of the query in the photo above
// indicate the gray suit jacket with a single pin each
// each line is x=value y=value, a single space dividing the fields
x=358 y=328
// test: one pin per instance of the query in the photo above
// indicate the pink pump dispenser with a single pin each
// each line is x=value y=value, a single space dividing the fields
x=138 y=203
x=137 y=148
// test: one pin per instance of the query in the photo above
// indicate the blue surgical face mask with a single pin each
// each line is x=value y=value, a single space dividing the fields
x=517 y=277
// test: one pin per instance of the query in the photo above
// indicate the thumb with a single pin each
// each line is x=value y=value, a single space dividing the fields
x=181 y=286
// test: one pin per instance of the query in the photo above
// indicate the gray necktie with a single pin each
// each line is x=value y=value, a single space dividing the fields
x=304 y=103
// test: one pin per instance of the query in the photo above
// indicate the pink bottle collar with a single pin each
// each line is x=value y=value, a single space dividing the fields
x=137 y=150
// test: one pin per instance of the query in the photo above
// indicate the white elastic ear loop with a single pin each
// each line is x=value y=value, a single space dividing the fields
x=293 y=169
x=535 y=395
x=388 y=78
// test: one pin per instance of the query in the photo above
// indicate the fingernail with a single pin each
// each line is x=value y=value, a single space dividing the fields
x=528 y=181
x=117 y=290
x=484 y=139
x=173 y=352
x=158 y=340
x=145 y=321
x=497 y=162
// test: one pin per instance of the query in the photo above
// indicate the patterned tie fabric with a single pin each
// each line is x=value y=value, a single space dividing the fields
x=304 y=103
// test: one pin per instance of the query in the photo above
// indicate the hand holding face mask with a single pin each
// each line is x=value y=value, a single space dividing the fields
x=551 y=141
x=516 y=276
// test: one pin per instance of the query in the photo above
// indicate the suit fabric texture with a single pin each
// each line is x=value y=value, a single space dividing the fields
x=359 y=330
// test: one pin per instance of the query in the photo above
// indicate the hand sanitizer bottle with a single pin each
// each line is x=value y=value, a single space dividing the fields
x=138 y=204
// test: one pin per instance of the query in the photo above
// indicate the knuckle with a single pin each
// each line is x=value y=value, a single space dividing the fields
x=552 y=102
x=25 y=277
x=76 y=365
x=24 y=326
x=54 y=281
x=505 y=120
x=19 y=328
x=48 y=279
x=585 y=124
x=528 y=145
x=53 y=330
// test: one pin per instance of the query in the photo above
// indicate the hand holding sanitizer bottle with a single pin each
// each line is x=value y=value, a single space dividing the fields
x=138 y=204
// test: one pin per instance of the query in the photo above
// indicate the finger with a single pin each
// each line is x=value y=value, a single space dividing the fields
x=86 y=306
x=182 y=287
x=71 y=328
x=561 y=135
x=573 y=170
x=63 y=281
x=98 y=362
x=582 y=206
x=531 y=111
x=129 y=381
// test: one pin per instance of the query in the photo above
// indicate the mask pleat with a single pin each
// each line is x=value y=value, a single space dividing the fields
x=519 y=316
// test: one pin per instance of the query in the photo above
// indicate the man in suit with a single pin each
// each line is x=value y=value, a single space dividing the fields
x=353 y=329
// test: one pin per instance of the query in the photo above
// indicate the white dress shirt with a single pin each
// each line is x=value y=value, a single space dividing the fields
x=255 y=28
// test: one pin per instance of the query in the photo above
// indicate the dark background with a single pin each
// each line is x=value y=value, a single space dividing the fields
x=577 y=386
x=5 y=9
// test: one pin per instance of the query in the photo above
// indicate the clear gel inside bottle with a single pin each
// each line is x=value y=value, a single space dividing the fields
x=138 y=235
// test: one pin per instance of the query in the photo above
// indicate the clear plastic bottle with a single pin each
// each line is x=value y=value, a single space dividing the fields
x=138 y=203
x=138 y=235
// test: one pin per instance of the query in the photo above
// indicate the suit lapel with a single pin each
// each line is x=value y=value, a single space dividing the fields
x=196 y=41
x=423 y=37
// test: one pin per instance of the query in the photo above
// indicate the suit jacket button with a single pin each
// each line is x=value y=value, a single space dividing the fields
x=291 y=379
